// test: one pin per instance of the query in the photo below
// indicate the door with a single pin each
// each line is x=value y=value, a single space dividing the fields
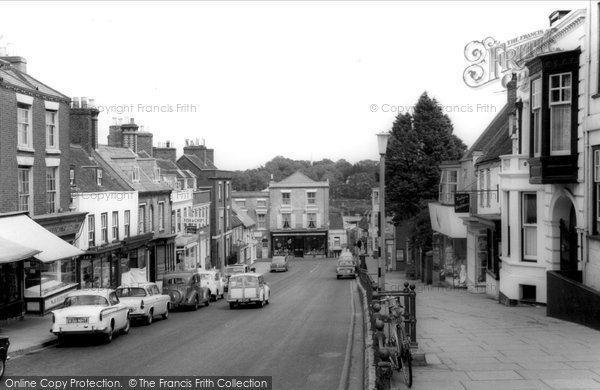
x=299 y=246
x=568 y=243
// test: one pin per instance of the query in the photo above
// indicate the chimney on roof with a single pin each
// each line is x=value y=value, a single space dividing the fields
x=200 y=151
x=557 y=15
x=17 y=62
x=83 y=124
x=166 y=152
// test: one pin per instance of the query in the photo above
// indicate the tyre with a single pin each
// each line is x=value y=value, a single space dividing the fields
x=125 y=330
x=406 y=367
x=337 y=276
x=211 y=296
x=207 y=301
x=108 y=337
x=150 y=317
x=196 y=304
x=165 y=315
x=231 y=305
x=260 y=304
x=2 y=366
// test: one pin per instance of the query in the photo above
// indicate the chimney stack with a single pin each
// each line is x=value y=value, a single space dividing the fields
x=83 y=128
x=557 y=15
x=166 y=151
x=16 y=62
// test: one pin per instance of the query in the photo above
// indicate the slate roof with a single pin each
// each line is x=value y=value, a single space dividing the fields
x=336 y=222
x=235 y=221
x=197 y=161
x=298 y=179
x=495 y=140
x=85 y=166
x=122 y=161
x=12 y=76
x=169 y=167
x=243 y=216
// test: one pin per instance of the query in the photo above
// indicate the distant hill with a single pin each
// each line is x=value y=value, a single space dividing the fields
x=346 y=181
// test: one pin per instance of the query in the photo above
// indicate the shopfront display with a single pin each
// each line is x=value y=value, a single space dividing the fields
x=300 y=244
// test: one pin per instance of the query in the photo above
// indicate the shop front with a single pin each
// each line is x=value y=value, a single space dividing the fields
x=162 y=257
x=299 y=243
x=43 y=279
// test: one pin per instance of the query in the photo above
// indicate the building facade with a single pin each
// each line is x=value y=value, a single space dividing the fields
x=256 y=205
x=299 y=216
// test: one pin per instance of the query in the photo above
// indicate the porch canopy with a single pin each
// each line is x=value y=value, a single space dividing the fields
x=25 y=232
x=11 y=251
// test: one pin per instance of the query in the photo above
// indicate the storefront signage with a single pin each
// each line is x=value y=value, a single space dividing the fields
x=191 y=229
x=56 y=300
x=64 y=229
x=193 y=220
x=461 y=202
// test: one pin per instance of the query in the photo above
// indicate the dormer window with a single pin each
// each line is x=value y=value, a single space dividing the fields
x=157 y=174
x=135 y=174
x=99 y=176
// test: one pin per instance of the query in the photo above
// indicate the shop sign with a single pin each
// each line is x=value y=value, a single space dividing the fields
x=461 y=202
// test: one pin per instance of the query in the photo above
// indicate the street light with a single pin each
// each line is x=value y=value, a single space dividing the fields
x=382 y=140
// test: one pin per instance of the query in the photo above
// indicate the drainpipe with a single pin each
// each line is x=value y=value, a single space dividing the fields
x=588 y=186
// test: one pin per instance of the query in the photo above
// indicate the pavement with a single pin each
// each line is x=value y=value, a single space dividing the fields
x=471 y=341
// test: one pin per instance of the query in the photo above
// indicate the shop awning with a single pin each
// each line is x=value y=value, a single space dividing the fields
x=444 y=220
x=11 y=251
x=24 y=231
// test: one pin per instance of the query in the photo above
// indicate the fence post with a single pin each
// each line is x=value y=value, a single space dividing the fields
x=413 y=315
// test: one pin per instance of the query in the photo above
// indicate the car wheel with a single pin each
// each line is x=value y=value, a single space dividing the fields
x=2 y=365
x=207 y=300
x=196 y=304
x=338 y=276
x=125 y=330
x=231 y=305
x=213 y=297
x=150 y=317
x=165 y=315
x=109 y=336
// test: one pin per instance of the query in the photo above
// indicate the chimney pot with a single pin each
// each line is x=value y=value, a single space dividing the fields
x=132 y=121
x=84 y=102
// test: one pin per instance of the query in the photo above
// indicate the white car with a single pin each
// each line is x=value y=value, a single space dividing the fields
x=91 y=311
x=214 y=281
x=248 y=288
x=144 y=301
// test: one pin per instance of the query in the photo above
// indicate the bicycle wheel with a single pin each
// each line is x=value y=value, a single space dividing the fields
x=405 y=359
x=395 y=344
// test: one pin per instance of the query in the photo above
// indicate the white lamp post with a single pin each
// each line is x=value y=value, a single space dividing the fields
x=382 y=140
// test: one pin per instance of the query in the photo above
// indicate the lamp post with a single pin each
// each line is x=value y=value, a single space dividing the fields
x=382 y=140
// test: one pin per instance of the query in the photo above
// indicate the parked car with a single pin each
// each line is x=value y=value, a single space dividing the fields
x=4 y=344
x=184 y=289
x=91 y=311
x=279 y=263
x=144 y=301
x=248 y=288
x=214 y=281
x=346 y=268
x=235 y=269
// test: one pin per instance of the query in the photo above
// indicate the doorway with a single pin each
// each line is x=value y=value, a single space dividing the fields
x=298 y=246
x=568 y=242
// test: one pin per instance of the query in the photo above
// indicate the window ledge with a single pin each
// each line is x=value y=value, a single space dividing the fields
x=23 y=148
x=52 y=151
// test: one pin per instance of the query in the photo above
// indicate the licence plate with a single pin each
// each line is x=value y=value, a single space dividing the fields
x=77 y=320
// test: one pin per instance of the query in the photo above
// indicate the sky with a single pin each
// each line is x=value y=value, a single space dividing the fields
x=254 y=80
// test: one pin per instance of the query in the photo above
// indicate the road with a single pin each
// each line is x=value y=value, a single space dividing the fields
x=300 y=338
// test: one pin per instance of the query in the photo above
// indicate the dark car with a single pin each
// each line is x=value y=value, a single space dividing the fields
x=279 y=263
x=4 y=343
x=185 y=290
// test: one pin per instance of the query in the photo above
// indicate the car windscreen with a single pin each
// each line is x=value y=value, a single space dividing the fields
x=243 y=281
x=131 y=292
x=176 y=280
x=346 y=263
x=82 y=300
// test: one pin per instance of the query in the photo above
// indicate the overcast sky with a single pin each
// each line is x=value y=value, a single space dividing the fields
x=261 y=79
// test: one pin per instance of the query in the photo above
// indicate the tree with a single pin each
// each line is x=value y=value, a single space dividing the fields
x=417 y=145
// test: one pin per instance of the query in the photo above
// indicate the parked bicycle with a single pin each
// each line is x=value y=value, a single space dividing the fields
x=393 y=343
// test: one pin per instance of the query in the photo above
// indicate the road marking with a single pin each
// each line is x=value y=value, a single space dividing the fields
x=314 y=269
x=347 y=359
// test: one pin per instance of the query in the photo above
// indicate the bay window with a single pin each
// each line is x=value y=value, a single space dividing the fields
x=560 y=114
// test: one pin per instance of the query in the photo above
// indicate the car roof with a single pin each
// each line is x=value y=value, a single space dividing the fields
x=247 y=274
x=143 y=284
x=104 y=292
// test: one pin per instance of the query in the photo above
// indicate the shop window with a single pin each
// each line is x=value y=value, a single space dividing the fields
x=529 y=226
x=10 y=284
x=43 y=279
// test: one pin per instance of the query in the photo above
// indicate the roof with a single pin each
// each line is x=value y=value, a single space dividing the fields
x=169 y=167
x=249 y=194
x=495 y=140
x=20 y=229
x=85 y=166
x=123 y=162
x=243 y=216
x=10 y=75
x=235 y=221
x=197 y=161
x=336 y=222
x=298 y=179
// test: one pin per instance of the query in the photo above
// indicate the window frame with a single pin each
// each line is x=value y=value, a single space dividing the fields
x=536 y=116
x=52 y=206
x=596 y=189
x=29 y=129
x=161 y=216
x=91 y=220
x=561 y=102
x=126 y=223
x=104 y=228
x=529 y=226
x=55 y=131
x=115 y=225
x=141 y=219
x=20 y=184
